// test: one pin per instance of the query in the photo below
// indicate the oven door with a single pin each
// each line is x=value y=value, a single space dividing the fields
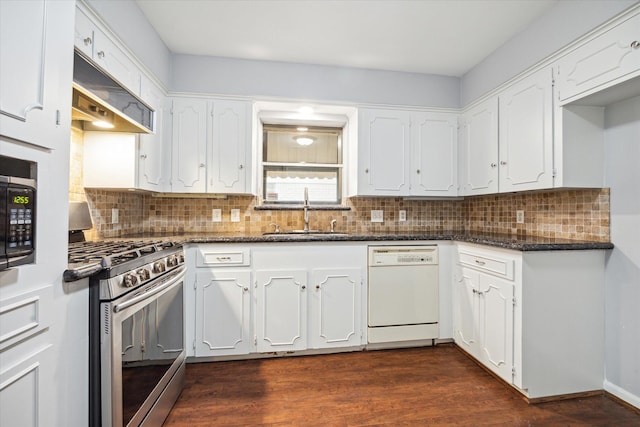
x=142 y=350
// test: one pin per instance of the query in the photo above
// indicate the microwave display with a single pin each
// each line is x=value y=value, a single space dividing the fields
x=19 y=221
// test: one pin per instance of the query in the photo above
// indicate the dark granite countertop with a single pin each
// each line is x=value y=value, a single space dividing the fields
x=505 y=241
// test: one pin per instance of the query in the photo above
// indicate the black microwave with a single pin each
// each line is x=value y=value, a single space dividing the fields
x=17 y=216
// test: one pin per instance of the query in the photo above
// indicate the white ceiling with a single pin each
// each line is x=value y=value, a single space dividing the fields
x=447 y=37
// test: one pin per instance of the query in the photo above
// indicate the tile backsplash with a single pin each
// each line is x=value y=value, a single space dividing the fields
x=572 y=214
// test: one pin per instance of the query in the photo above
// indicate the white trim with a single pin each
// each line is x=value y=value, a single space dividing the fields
x=623 y=394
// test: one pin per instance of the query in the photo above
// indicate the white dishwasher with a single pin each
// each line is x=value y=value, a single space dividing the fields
x=403 y=293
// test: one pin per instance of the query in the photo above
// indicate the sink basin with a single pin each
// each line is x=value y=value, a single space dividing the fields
x=304 y=233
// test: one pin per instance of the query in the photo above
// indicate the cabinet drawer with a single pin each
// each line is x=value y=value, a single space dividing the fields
x=494 y=265
x=215 y=258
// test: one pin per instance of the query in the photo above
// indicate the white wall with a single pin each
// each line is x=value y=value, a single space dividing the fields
x=564 y=23
x=622 y=298
x=269 y=79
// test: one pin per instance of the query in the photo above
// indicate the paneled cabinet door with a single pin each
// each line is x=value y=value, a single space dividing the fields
x=434 y=168
x=189 y=146
x=281 y=310
x=230 y=137
x=608 y=59
x=467 y=310
x=223 y=313
x=335 y=309
x=36 y=68
x=151 y=147
x=384 y=146
x=115 y=62
x=526 y=134
x=479 y=149
x=496 y=325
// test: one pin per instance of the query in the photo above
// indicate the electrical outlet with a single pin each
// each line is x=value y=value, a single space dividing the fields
x=235 y=215
x=115 y=216
x=377 y=216
x=402 y=215
x=520 y=217
x=216 y=215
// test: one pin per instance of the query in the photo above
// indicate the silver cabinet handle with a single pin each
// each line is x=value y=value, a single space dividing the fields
x=101 y=54
x=480 y=262
x=87 y=41
x=502 y=162
x=223 y=258
x=493 y=165
x=635 y=44
x=143 y=156
x=201 y=165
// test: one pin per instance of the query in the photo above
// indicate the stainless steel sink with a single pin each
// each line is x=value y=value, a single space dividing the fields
x=304 y=233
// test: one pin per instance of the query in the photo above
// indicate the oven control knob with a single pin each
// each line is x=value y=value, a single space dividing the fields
x=172 y=261
x=129 y=280
x=159 y=267
x=181 y=258
x=144 y=274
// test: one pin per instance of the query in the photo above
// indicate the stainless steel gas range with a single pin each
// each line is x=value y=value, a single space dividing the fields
x=136 y=330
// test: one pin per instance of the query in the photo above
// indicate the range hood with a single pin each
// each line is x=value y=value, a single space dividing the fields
x=99 y=101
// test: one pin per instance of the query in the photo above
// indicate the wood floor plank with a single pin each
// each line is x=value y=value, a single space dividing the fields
x=407 y=387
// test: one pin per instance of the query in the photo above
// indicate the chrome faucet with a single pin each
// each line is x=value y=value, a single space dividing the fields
x=333 y=225
x=306 y=209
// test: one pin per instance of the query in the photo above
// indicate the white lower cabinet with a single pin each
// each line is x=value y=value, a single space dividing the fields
x=223 y=313
x=274 y=298
x=535 y=318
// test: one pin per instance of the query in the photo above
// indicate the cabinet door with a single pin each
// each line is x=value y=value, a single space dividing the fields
x=189 y=146
x=230 y=137
x=526 y=134
x=384 y=152
x=608 y=59
x=36 y=68
x=115 y=62
x=223 y=315
x=434 y=170
x=281 y=310
x=496 y=325
x=335 y=310
x=467 y=311
x=151 y=148
x=83 y=35
x=479 y=149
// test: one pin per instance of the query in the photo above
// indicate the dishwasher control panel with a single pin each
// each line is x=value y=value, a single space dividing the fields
x=402 y=255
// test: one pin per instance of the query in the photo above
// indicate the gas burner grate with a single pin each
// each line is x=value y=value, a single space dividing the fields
x=110 y=254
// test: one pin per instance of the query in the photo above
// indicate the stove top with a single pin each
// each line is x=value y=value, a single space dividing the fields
x=126 y=265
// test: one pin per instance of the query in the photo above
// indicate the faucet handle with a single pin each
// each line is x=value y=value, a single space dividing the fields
x=277 y=227
x=333 y=225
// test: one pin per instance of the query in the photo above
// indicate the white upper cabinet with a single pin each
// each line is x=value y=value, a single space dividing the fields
x=478 y=158
x=99 y=48
x=230 y=138
x=152 y=147
x=404 y=153
x=434 y=160
x=189 y=145
x=526 y=134
x=35 y=71
x=384 y=149
x=606 y=60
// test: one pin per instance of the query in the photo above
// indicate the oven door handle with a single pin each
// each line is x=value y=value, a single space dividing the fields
x=165 y=283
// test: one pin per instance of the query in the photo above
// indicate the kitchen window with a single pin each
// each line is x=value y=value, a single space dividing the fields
x=299 y=157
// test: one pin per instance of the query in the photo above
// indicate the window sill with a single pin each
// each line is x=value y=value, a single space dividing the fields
x=297 y=207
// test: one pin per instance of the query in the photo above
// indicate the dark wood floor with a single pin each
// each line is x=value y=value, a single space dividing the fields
x=411 y=387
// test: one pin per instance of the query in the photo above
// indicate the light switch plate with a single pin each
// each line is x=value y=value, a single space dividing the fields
x=402 y=215
x=235 y=215
x=520 y=217
x=216 y=215
x=377 y=216
x=115 y=216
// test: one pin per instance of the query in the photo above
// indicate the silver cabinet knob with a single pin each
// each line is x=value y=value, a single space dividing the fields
x=418 y=171
x=366 y=170
x=201 y=165
x=304 y=287
x=241 y=167
x=246 y=289
x=101 y=54
x=87 y=41
x=635 y=44
x=503 y=162
x=493 y=165
x=143 y=156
